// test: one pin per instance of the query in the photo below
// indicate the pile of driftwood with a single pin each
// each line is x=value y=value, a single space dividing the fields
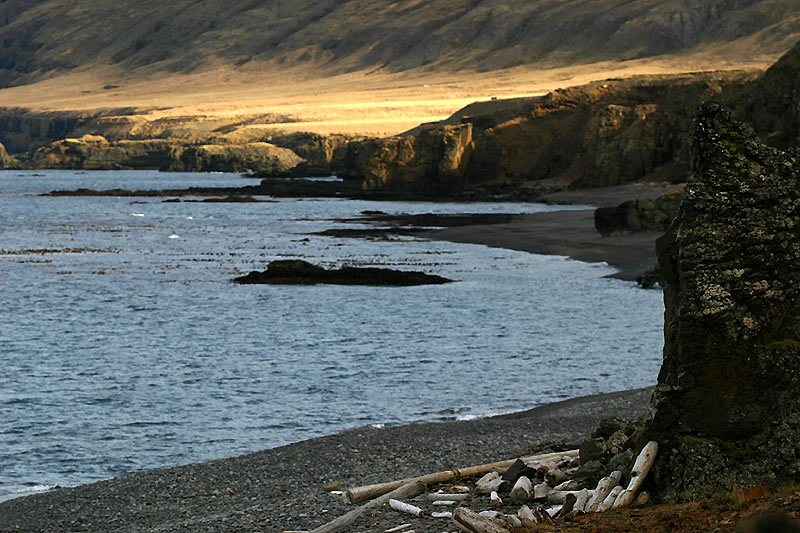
x=539 y=487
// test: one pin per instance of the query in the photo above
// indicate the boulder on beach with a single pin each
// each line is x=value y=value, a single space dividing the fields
x=297 y=272
x=640 y=214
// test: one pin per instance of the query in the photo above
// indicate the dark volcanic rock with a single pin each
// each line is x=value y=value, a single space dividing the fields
x=296 y=272
x=641 y=214
x=725 y=410
x=773 y=105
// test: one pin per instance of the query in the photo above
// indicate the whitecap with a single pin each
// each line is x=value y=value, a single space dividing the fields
x=173 y=236
x=136 y=214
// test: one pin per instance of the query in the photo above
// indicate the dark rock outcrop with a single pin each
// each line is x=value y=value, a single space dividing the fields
x=773 y=104
x=259 y=157
x=94 y=152
x=296 y=272
x=641 y=214
x=432 y=162
x=726 y=410
x=322 y=155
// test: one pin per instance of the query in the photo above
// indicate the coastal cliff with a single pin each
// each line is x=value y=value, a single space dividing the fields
x=601 y=134
x=725 y=408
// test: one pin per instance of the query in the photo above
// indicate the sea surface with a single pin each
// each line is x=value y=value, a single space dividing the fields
x=124 y=346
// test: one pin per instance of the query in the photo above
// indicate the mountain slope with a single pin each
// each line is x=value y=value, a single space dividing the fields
x=41 y=38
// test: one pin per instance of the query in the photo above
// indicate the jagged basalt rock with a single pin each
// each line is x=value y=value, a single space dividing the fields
x=725 y=409
x=297 y=272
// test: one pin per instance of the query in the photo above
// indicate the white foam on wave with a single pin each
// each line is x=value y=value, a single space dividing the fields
x=136 y=214
x=27 y=490
x=173 y=236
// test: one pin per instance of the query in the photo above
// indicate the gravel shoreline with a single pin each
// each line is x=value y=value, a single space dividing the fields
x=281 y=489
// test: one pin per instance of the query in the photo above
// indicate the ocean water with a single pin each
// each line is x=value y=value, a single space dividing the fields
x=124 y=346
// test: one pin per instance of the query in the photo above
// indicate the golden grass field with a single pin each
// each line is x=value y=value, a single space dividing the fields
x=360 y=103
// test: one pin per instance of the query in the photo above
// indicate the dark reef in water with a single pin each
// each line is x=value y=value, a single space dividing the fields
x=296 y=272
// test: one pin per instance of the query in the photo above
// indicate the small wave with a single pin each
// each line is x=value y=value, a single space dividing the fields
x=136 y=214
x=27 y=490
x=173 y=236
x=490 y=414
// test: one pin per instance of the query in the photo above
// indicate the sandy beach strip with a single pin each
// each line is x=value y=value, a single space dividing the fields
x=571 y=233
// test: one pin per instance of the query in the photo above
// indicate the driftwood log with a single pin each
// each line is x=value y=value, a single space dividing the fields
x=404 y=507
x=359 y=494
x=472 y=522
x=639 y=471
x=522 y=491
x=408 y=490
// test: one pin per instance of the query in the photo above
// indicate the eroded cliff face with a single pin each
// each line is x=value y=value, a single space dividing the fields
x=601 y=134
x=6 y=161
x=432 y=162
x=726 y=409
x=250 y=157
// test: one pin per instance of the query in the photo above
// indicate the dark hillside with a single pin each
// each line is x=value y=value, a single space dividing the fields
x=39 y=38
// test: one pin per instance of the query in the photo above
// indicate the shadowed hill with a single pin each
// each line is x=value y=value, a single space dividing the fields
x=39 y=38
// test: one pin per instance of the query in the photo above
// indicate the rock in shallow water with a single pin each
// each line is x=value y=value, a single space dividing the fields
x=296 y=272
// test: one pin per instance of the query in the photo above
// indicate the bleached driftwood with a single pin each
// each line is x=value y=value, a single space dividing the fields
x=555 y=476
x=522 y=491
x=526 y=516
x=604 y=487
x=570 y=484
x=608 y=503
x=471 y=522
x=401 y=527
x=541 y=491
x=583 y=498
x=444 y=502
x=442 y=514
x=640 y=469
x=404 y=507
x=495 y=500
x=489 y=514
x=560 y=496
x=489 y=483
x=408 y=490
x=437 y=496
x=642 y=498
x=359 y=494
